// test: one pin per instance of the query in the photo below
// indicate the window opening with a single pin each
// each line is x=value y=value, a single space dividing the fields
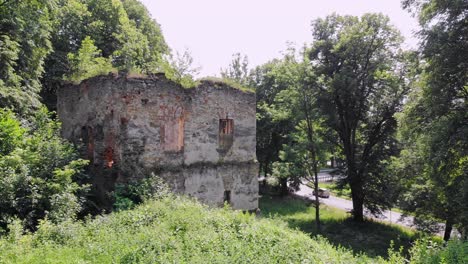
x=172 y=135
x=87 y=137
x=226 y=133
x=227 y=196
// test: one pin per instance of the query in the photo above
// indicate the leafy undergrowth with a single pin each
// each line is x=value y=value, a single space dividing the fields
x=370 y=238
x=172 y=230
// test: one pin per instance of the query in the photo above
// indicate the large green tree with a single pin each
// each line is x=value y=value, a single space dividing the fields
x=273 y=128
x=40 y=41
x=25 y=29
x=358 y=64
x=435 y=124
x=122 y=30
x=306 y=150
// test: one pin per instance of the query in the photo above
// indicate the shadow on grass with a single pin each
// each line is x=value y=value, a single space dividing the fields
x=371 y=238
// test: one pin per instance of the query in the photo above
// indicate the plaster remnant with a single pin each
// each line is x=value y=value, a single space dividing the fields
x=201 y=140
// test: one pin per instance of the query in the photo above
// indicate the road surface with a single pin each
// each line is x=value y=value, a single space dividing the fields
x=388 y=216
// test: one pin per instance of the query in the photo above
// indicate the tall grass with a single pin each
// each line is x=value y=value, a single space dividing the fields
x=181 y=230
x=171 y=230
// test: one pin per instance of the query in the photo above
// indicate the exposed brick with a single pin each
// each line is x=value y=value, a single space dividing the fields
x=135 y=126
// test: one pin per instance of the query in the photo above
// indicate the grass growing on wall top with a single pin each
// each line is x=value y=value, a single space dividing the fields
x=228 y=82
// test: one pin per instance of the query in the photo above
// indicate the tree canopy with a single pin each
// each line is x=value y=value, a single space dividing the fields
x=25 y=32
x=435 y=122
x=361 y=87
x=41 y=42
x=122 y=30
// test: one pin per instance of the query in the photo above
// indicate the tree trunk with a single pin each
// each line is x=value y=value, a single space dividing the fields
x=283 y=186
x=358 y=210
x=358 y=200
x=448 y=229
x=317 y=202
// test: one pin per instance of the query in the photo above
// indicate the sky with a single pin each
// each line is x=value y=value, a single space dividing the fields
x=213 y=30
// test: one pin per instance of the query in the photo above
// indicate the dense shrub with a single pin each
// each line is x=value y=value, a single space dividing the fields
x=38 y=171
x=128 y=195
x=427 y=252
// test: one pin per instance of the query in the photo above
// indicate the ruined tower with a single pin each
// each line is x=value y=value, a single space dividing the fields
x=201 y=141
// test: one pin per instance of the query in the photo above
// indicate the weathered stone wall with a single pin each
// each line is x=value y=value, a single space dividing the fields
x=130 y=127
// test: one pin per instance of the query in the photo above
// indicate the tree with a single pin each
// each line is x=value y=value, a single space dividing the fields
x=180 y=68
x=436 y=122
x=87 y=62
x=238 y=70
x=122 y=30
x=296 y=104
x=273 y=127
x=361 y=87
x=25 y=28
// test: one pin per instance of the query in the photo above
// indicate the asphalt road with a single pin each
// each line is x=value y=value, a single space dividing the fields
x=388 y=216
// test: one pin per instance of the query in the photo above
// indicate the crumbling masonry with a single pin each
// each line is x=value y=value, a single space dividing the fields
x=201 y=141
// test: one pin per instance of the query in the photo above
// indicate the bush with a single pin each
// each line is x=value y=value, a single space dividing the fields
x=128 y=195
x=38 y=171
x=427 y=252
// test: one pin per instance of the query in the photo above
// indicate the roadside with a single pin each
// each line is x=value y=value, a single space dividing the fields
x=387 y=216
x=372 y=238
x=390 y=216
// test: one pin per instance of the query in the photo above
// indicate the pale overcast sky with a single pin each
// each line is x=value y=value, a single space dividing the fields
x=215 y=29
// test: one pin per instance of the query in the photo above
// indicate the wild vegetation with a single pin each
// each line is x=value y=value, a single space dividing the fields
x=41 y=174
x=183 y=231
x=170 y=230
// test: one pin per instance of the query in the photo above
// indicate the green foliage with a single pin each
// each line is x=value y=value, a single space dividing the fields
x=172 y=230
x=130 y=194
x=428 y=252
x=25 y=28
x=273 y=125
x=38 y=172
x=11 y=132
x=372 y=238
x=123 y=34
x=238 y=70
x=229 y=82
x=180 y=69
x=359 y=67
x=87 y=62
x=434 y=165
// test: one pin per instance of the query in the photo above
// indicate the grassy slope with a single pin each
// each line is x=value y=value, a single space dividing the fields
x=173 y=230
x=371 y=238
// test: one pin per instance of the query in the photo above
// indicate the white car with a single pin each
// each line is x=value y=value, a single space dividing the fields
x=322 y=192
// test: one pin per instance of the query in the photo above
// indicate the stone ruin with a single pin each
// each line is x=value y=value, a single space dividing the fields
x=201 y=141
